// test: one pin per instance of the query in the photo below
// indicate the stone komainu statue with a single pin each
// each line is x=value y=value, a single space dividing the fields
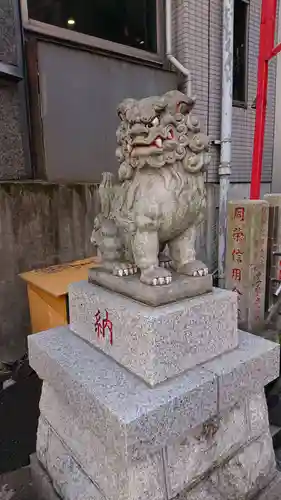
x=160 y=198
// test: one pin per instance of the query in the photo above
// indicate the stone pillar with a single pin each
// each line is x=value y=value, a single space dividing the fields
x=246 y=253
x=274 y=246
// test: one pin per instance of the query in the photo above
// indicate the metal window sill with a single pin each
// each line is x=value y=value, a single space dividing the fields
x=87 y=42
x=240 y=104
x=10 y=72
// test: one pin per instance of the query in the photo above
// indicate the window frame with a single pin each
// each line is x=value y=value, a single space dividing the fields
x=237 y=103
x=100 y=44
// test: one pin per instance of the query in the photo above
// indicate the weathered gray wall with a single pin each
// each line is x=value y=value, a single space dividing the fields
x=198 y=45
x=41 y=224
x=12 y=159
x=14 y=154
x=8 y=32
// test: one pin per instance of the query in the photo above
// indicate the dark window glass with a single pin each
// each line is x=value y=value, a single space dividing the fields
x=240 y=50
x=129 y=22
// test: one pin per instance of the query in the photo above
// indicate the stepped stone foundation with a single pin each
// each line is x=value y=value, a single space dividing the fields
x=152 y=403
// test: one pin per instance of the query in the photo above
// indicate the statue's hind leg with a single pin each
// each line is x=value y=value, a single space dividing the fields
x=110 y=249
x=182 y=250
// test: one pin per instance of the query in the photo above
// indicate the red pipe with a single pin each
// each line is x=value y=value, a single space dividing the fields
x=267 y=35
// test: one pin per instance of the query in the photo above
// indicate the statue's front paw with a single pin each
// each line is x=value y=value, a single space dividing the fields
x=165 y=261
x=156 y=276
x=124 y=269
x=194 y=268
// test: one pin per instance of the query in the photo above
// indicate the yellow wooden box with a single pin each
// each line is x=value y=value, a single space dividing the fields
x=48 y=292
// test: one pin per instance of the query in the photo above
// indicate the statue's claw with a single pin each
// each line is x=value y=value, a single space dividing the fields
x=124 y=269
x=156 y=276
x=194 y=268
x=162 y=281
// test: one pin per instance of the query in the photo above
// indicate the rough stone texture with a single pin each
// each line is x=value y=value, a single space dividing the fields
x=68 y=479
x=181 y=287
x=187 y=460
x=204 y=491
x=248 y=472
x=103 y=431
x=12 y=161
x=41 y=224
x=42 y=442
x=8 y=43
x=112 y=476
x=258 y=414
x=156 y=343
x=128 y=415
x=44 y=490
x=246 y=253
x=273 y=491
x=41 y=482
x=99 y=462
x=247 y=369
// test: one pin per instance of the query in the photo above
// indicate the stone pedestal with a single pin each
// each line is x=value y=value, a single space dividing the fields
x=133 y=408
x=246 y=254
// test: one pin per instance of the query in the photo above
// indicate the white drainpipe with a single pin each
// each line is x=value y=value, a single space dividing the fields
x=226 y=131
x=169 y=55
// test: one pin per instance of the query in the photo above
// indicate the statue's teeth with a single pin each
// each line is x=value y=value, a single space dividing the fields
x=158 y=142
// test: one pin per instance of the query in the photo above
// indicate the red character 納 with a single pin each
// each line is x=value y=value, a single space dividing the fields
x=101 y=325
x=107 y=324
x=98 y=324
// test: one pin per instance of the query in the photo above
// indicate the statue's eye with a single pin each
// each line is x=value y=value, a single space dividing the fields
x=155 y=122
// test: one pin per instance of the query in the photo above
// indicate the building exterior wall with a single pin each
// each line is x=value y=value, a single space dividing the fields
x=198 y=46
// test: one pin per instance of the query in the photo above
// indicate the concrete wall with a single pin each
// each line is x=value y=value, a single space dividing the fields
x=41 y=224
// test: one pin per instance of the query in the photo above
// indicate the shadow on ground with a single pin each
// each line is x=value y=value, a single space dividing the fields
x=19 y=412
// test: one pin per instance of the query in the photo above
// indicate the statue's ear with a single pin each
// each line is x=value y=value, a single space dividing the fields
x=160 y=105
x=184 y=107
x=123 y=107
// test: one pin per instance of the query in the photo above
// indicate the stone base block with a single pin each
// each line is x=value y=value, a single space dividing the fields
x=155 y=343
x=175 y=466
x=133 y=418
x=182 y=287
x=225 y=449
x=273 y=490
x=41 y=482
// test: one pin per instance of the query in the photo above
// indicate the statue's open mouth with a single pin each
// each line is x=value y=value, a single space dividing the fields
x=141 y=144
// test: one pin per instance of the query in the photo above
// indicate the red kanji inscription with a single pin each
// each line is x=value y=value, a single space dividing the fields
x=237 y=255
x=103 y=325
x=98 y=324
x=237 y=274
x=238 y=235
x=239 y=213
